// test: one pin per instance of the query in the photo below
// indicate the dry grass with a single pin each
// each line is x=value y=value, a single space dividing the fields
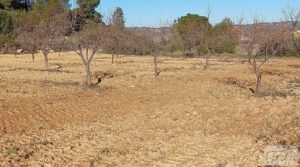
x=185 y=117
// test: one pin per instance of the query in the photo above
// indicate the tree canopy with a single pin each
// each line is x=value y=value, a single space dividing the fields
x=225 y=36
x=87 y=9
x=6 y=23
x=16 y=4
x=118 y=19
x=193 y=29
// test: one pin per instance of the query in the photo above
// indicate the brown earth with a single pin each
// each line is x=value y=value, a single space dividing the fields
x=184 y=117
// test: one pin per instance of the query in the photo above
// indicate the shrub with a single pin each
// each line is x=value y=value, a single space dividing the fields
x=274 y=93
x=6 y=23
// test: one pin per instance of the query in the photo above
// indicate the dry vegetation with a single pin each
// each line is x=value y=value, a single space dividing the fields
x=184 y=117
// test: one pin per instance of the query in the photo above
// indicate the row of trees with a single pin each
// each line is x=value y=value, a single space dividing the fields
x=51 y=25
x=260 y=41
x=17 y=21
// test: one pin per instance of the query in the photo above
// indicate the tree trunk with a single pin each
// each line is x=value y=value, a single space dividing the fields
x=46 y=60
x=155 y=66
x=207 y=59
x=258 y=80
x=88 y=75
x=33 y=58
x=195 y=51
x=113 y=58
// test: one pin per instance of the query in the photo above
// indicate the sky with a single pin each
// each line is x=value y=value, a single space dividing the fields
x=158 y=13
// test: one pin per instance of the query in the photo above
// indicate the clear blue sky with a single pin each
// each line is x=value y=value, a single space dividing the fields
x=157 y=13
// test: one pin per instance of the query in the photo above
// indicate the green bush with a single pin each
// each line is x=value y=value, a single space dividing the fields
x=173 y=44
x=285 y=50
x=225 y=35
x=6 y=23
x=273 y=93
x=226 y=48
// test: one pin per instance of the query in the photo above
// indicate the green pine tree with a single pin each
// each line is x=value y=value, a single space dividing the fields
x=87 y=9
x=118 y=19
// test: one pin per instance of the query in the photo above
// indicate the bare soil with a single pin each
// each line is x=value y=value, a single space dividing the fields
x=186 y=116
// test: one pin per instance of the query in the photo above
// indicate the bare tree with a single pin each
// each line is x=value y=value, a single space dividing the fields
x=115 y=50
x=27 y=40
x=207 y=39
x=87 y=42
x=265 y=38
x=48 y=32
x=292 y=15
x=117 y=26
x=40 y=28
x=156 y=72
x=34 y=33
x=156 y=51
x=115 y=41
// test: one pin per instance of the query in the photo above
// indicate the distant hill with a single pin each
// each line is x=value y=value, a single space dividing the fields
x=155 y=34
x=283 y=23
